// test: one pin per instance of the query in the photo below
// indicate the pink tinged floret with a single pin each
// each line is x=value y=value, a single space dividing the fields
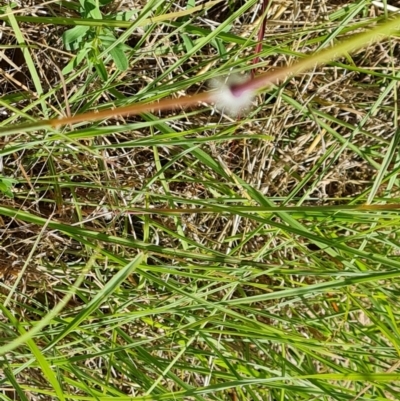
x=230 y=96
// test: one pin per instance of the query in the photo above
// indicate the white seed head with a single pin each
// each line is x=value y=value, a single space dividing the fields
x=225 y=99
x=107 y=214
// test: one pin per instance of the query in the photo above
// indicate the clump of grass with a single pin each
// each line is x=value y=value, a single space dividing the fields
x=152 y=249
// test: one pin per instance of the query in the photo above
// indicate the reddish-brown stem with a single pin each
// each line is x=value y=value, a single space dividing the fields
x=261 y=33
x=133 y=109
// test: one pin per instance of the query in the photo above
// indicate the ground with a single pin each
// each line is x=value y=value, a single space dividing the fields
x=192 y=253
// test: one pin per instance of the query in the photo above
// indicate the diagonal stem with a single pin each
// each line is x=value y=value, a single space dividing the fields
x=261 y=33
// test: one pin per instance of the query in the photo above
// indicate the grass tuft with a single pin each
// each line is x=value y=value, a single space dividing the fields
x=183 y=253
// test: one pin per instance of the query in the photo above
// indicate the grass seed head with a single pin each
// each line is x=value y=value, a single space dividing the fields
x=229 y=100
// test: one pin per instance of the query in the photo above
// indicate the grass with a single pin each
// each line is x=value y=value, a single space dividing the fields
x=187 y=254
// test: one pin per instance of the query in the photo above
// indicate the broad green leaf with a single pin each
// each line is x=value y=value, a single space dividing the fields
x=119 y=57
x=6 y=185
x=91 y=9
x=101 y=69
x=77 y=33
x=187 y=42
